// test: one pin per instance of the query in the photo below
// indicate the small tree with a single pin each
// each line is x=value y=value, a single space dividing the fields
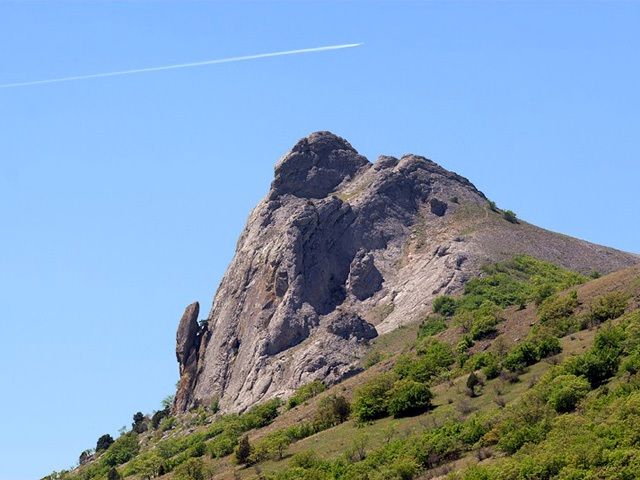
x=243 y=450
x=192 y=469
x=332 y=410
x=445 y=305
x=567 y=391
x=358 y=450
x=104 y=442
x=408 y=397
x=158 y=417
x=113 y=474
x=215 y=405
x=139 y=424
x=277 y=444
x=472 y=382
x=370 y=400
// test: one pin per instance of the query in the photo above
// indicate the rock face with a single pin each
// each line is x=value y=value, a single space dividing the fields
x=340 y=251
x=187 y=344
x=364 y=278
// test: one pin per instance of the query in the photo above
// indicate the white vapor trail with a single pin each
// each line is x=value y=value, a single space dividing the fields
x=182 y=65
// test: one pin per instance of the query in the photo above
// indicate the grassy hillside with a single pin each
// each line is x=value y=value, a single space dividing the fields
x=532 y=373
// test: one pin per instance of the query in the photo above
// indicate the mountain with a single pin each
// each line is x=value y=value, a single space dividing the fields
x=340 y=251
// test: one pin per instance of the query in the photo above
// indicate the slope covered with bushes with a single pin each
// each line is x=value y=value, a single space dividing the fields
x=533 y=372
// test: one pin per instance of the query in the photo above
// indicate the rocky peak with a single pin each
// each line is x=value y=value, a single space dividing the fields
x=339 y=252
x=316 y=165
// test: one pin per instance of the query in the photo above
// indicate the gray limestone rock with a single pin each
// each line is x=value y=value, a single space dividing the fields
x=364 y=278
x=338 y=252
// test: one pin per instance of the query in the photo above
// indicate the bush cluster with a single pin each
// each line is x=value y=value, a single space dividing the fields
x=432 y=325
x=405 y=391
x=531 y=351
x=608 y=307
x=599 y=440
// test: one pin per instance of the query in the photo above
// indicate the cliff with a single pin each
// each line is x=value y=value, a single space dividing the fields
x=339 y=251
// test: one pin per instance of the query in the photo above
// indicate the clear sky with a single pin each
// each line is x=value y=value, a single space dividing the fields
x=121 y=198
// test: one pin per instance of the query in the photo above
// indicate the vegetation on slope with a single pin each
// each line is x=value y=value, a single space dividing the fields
x=560 y=402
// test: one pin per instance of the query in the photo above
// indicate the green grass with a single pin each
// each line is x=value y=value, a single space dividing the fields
x=395 y=447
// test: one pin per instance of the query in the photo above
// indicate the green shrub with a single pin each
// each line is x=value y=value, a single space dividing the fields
x=608 y=307
x=198 y=449
x=596 y=367
x=477 y=360
x=167 y=423
x=484 y=322
x=435 y=447
x=532 y=350
x=557 y=312
x=146 y=465
x=632 y=363
x=432 y=325
x=472 y=382
x=546 y=345
x=516 y=282
x=306 y=460
x=404 y=468
x=157 y=417
x=261 y=415
x=566 y=391
x=222 y=445
x=372 y=358
x=492 y=367
x=433 y=356
x=601 y=362
x=122 y=450
x=332 y=410
x=214 y=406
x=435 y=352
x=408 y=397
x=522 y=355
x=305 y=392
x=272 y=446
x=370 y=400
x=477 y=472
x=306 y=429
x=242 y=452
x=464 y=344
x=192 y=469
x=509 y=216
x=479 y=320
x=445 y=305
x=527 y=422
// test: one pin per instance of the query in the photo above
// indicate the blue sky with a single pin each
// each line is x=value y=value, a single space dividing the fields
x=121 y=198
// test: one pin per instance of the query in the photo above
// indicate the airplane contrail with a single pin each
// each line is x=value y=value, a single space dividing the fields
x=181 y=65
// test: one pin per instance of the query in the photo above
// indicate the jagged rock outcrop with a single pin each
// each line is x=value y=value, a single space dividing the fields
x=364 y=278
x=340 y=251
x=438 y=207
x=187 y=345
